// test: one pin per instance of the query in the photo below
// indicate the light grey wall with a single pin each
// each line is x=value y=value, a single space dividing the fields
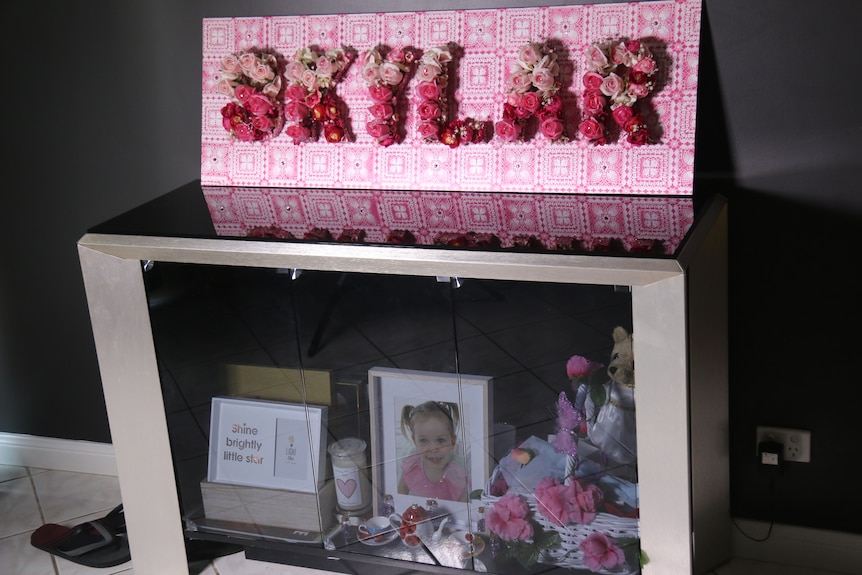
x=102 y=112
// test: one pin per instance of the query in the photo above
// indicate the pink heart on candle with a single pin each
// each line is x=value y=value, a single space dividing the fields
x=346 y=487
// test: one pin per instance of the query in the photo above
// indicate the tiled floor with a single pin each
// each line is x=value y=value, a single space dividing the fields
x=31 y=497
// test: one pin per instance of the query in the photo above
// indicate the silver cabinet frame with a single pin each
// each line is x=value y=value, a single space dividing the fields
x=679 y=311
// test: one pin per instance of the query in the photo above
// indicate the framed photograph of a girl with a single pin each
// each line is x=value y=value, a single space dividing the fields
x=430 y=437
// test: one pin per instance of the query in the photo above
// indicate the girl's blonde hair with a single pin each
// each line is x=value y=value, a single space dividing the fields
x=445 y=410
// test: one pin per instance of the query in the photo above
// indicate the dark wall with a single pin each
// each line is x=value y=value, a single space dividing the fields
x=102 y=112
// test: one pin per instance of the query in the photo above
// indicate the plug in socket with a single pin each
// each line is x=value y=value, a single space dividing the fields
x=797 y=442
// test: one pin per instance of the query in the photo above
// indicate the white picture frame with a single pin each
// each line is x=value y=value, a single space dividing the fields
x=262 y=443
x=389 y=391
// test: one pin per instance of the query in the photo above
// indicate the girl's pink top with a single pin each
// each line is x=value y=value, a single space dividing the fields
x=451 y=486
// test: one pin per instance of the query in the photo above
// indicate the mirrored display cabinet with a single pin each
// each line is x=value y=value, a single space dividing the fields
x=358 y=394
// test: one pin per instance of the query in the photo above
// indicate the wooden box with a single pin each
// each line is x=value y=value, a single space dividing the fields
x=269 y=507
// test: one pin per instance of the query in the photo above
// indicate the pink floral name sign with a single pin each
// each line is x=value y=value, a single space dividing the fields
x=484 y=44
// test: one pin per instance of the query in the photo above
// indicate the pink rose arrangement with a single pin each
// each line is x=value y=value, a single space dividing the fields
x=433 y=104
x=509 y=520
x=619 y=73
x=565 y=503
x=386 y=78
x=252 y=81
x=532 y=91
x=309 y=101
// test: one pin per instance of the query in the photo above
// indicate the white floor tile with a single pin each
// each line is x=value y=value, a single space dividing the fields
x=18 y=507
x=18 y=557
x=65 y=496
x=8 y=472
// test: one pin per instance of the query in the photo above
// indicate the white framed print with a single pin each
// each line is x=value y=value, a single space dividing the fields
x=261 y=443
x=430 y=437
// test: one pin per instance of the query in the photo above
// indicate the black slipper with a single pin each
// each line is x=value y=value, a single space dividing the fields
x=98 y=543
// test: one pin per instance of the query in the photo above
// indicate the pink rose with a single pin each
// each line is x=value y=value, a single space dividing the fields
x=531 y=102
x=377 y=128
x=380 y=93
x=294 y=71
x=298 y=132
x=388 y=140
x=591 y=129
x=261 y=73
x=429 y=130
x=600 y=552
x=530 y=54
x=381 y=111
x=580 y=367
x=520 y=81
x=295 y=110
x=622 y=114
x=247 y=61
x=594 y=103
x=324 y=67
x=391 y=74
x=507 y=518
x=543 y=79
x=428 y=90
x=552 y=128
x=593 y=80
x=310 y=80
x=596 y=59
x=243 y=132
x=427 y=72
x=633 y=46
x=612 y=85
x=312 y=99
x=428 y=110
x=295 y=92
x=230 y=64
x=507 y=131
x=243 y=93
x=645 y=65
x=371 y=72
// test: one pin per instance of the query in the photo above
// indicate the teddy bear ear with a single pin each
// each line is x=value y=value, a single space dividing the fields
x=620 y=334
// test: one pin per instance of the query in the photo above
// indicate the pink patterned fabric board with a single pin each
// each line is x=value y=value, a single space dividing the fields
x=488 y=42
x=427 y=215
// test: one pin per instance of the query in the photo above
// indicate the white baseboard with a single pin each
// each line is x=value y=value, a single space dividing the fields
x=832 y=551
x=58 y=454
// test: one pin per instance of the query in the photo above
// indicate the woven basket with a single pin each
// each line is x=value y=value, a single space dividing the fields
x=569 y=553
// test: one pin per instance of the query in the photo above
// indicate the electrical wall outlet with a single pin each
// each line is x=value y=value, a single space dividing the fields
x=797 y=442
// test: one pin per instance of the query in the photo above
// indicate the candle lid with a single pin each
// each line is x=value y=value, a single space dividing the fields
x=347 y=447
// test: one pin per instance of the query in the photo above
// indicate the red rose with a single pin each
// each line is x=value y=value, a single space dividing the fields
x=429 y=110
x=594 y=103
x=531 y=102
x=380 y=93
x=377 y=128
x=298 y=132
x=333 y=133
x=551 y=128
x=622 y=114
x=450 y=138
x=591 y=129
x=429 y=130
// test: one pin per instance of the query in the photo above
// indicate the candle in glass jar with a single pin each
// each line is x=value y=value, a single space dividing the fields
x=352 y=488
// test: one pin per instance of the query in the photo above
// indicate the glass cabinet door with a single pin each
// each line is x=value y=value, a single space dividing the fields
x=468 y=424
